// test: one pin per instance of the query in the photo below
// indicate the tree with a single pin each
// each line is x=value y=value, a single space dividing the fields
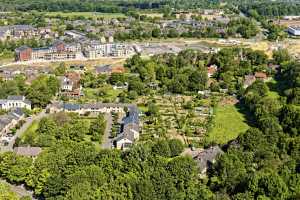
x=176 y=147
x=198 y=80
x=15 y=168
x=97 y=128
x=42 y=90
x=153 y=110
x=117 y=78
x=6 y=193
x=60 y=70
x=268 y=184
x=281 y=55
x=161 y=148
x=156 y=33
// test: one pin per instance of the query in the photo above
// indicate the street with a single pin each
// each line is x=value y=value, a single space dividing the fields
x=107 y=141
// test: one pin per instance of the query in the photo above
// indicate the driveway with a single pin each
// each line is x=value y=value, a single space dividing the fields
x=107 y=141
x=20 y=131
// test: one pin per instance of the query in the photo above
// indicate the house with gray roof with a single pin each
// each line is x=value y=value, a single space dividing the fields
x=129 y=130
x=10 y=120
x=207 y=157
x=28 y=151
x=15 y=102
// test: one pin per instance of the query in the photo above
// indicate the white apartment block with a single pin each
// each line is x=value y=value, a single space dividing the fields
x=14 y=102
x=98 y=50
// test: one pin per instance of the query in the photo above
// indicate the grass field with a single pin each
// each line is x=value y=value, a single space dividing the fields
x=228 y=124
x=85 y=14
x=108 y=94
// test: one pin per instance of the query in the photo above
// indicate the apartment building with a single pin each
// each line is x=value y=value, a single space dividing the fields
x=15 y=102
x=98 y=50
x=58 y=51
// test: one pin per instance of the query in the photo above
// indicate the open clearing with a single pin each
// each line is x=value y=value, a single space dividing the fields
x=228 y=124
x=31 y=131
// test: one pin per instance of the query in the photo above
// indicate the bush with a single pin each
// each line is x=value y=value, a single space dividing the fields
x=162 y=148
x=176 y=147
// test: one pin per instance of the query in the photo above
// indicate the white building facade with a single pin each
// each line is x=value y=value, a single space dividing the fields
x=14 y=102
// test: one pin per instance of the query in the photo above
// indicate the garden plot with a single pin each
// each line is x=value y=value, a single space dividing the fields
x=174 y=120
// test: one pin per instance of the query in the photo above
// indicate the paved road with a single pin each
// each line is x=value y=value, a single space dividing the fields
x=107 y=141
x=20 y=131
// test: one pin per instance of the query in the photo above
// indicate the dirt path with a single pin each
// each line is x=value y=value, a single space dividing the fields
x=107 y=141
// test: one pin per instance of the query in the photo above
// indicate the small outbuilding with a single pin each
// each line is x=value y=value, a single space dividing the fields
x=28 y=151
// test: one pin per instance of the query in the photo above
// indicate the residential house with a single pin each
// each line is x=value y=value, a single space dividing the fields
x=70 y=85
x=211 y=70
x=73 y=47
x=17 y=32
x=207 y=157
x=261 y=76
x=10 y=120
x=15 y=102
x=75 y=34
x=129 y=130
x=7 y=77
x=88 y=108
x=109 y=69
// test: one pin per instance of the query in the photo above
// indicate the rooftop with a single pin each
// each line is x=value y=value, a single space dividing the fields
x=260 y=75
x=28 y=151
x=16 y=98
x=22 y=48
x=207 y=157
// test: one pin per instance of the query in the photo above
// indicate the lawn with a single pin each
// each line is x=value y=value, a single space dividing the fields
x=274 y=88
x=109 y=94
x=86 y=14
x=228 y=124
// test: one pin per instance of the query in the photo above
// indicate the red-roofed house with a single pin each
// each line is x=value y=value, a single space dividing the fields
x=261 y=76
x=211 y=70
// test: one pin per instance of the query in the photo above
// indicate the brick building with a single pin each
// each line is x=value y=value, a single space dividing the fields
x=23 y=53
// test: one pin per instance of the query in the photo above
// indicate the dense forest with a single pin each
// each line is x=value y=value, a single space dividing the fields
x=265 y=7
x=101 y=6
x=274 y=9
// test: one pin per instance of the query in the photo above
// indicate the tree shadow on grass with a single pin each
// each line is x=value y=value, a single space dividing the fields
x=250 y=120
